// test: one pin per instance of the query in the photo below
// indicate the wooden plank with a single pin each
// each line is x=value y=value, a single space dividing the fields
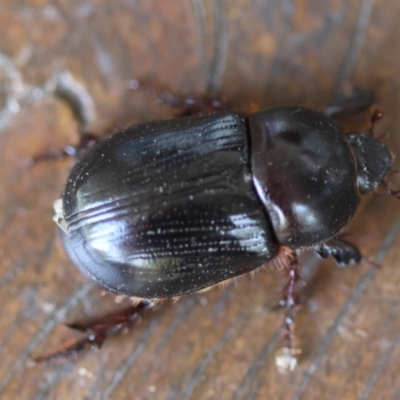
x=219 y=344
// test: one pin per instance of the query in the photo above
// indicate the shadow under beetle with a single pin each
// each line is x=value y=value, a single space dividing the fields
x=172 y=207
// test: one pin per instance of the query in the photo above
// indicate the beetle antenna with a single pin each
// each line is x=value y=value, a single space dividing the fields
x=376 y=115
x=394 y=193
x=371 y=263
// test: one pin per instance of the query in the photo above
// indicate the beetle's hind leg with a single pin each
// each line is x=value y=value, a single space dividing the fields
x=97 y=331
x=86 y=141
x=81 y=104
x=186 y=105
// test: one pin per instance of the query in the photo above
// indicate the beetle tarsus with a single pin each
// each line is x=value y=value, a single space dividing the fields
x=187 y=105
x=290 y=300
x=347 y=106
x=287 y=357
x=68 y=351
x=86 y=141
x=97 y=331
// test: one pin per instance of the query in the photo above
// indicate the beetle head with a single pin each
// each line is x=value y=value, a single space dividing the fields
x=373 y=160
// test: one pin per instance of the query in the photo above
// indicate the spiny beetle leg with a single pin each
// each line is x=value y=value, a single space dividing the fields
x=86 y=141
x=290 y=300
x=187 y=105
x=98 y=330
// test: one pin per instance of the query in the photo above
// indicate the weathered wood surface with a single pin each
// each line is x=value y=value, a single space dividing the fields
x=220 y=344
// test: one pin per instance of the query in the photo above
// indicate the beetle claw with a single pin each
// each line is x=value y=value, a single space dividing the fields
x=66 y=352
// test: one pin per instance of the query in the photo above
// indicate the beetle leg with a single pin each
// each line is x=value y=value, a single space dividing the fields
x=290 y=300
x=341 y=250
x=195 y=105
x=347 y=106
x=86 y=141
x=97 y=331
x=189 y=105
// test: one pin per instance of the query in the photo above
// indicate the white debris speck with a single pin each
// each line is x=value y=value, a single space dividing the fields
x=360 y=333
x=286 y=359
x=84 y=372
x=48 y=307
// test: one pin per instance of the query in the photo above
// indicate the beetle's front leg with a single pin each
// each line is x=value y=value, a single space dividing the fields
x=97 y=331
x=346 y=106
x=341 y=250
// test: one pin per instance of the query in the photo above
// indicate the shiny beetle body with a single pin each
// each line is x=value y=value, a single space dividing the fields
x=171 y=207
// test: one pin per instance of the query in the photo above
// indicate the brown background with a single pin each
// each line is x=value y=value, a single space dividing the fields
x=221 y=344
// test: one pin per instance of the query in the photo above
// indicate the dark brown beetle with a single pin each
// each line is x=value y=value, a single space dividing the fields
x=171 y=207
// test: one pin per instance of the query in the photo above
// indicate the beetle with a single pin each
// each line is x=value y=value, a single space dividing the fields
x=167 y=208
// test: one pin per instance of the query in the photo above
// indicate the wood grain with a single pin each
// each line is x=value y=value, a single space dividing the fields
x=219 y=344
